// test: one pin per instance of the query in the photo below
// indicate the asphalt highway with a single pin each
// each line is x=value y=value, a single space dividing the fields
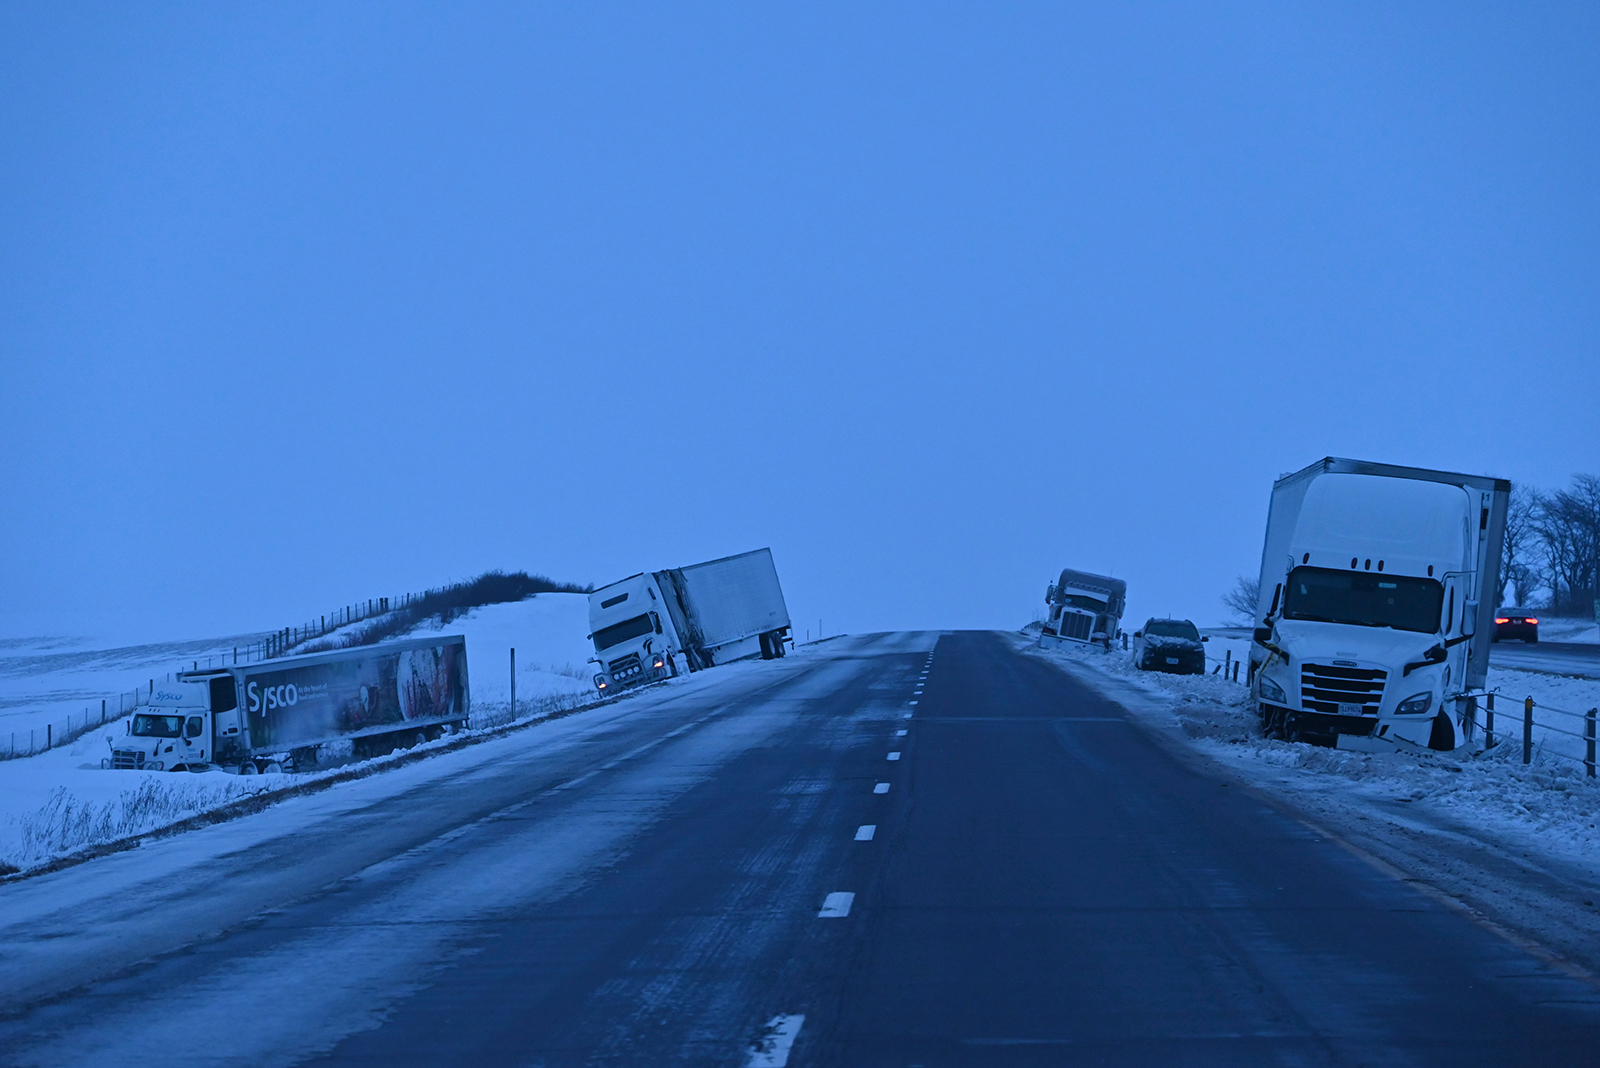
x=898 y=850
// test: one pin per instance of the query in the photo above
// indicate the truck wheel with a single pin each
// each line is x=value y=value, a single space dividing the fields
x=1443 y=736
x=247 y=768
x=273 y=768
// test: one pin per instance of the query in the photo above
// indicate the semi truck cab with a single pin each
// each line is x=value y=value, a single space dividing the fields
x=1369 y=634
x=634 y=639
x=186 y=724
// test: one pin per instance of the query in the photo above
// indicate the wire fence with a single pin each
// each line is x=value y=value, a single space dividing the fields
x=1579 y=725
x=70 y=729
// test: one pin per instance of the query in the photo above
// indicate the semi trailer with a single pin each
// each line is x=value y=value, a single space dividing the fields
x=1377 y=605
x=1084 y=608
x=285 y=714
x=701 y=615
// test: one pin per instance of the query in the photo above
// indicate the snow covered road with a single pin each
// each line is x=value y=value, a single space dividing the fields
x=887 y=850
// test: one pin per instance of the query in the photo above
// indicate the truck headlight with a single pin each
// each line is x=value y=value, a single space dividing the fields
x=599 y=682
x=1415 y=706
x=1271 y=691
x=155 y=765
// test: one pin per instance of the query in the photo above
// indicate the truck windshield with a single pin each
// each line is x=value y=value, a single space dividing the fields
x=1163 y=628
x=1078 y=600
x=621 y=632
x=146 y=726
x=1363 y=598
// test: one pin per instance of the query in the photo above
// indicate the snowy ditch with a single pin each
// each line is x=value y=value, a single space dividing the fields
x=1549 y=805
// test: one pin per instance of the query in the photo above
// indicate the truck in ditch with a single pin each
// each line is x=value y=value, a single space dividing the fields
x=1377 y=605
x=295 y=712
x=1083 y=609
x=699 y=616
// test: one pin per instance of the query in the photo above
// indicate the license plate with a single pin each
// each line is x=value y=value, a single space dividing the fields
x=1349 y=710
x=1172 y=660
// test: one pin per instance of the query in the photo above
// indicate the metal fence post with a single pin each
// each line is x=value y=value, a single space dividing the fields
x=1527 y=731
x=1588 y=741
x=513 y=684
x=1488 y=722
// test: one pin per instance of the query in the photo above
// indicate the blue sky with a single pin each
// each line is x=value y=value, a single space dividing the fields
x=301 y=304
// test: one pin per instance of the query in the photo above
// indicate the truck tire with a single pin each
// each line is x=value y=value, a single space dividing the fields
x=273 y=768
x=1443 y=738
x=248 y=768
x=421 y=738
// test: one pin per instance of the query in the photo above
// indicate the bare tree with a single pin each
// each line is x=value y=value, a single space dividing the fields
x=1243 y=598
x=1567 y=526
x=1517 y=564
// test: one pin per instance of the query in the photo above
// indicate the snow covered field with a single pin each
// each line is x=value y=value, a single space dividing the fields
x=1548 y=805
x=61 y=800
x=54 y=680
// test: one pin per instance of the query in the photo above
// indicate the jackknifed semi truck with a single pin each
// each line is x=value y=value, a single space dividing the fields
x=293 y=712
x=704 y=615
x=1084 y=608
x=1377 y=605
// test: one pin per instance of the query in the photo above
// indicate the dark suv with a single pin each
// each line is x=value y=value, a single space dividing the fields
x=1515 y=623
x=1169 y=645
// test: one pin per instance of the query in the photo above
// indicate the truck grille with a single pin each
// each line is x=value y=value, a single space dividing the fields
x=1076 y=627
x=127 y=759
x=1324 y=687
x=625 y=666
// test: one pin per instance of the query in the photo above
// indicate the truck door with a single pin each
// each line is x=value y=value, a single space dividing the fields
x=195 y=740
x=226 y=723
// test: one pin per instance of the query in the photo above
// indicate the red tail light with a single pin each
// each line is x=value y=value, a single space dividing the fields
x=1533 y=621
x=1502 y=621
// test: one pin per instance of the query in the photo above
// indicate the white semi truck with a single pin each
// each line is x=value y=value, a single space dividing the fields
x=1376 y=605
x=1084 y=608
x=279 y=715
x=705 y=614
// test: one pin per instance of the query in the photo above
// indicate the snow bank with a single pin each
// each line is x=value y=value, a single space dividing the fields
x=1548 y=804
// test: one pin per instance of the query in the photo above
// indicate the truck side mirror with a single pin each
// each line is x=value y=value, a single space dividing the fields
x=1205 y=637
x=657 y=621
x=1261 y=634
x=1138 y=634
x=1469 y=619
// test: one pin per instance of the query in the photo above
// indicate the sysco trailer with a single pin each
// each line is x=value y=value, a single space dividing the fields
x=290 y=713
x=707 y=614
x=1377 y=605
x=1083 y=608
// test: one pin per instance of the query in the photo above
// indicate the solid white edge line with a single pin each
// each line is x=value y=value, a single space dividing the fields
x=772 y=1049
x=837 y=905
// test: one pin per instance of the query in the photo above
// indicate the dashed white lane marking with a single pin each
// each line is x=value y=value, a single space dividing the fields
x=913 y=702
x=881 y=788
x=772 y=1048
x=906 y=716
x=900 y=734
x=836 y=905
x=894 y=756
x=865 y=832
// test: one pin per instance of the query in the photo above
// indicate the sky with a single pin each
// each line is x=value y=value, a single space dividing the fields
x=307 y=303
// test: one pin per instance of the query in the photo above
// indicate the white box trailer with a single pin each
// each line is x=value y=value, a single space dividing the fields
x=1377 y=604
x=706 y=614
x=279 y=714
